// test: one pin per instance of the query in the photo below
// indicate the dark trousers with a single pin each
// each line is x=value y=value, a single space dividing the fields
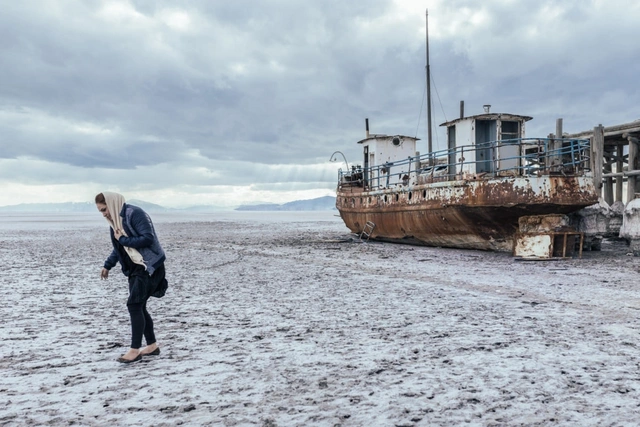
x=141 y=324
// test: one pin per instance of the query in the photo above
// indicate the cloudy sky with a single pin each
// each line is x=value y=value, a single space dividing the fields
x=221 y=102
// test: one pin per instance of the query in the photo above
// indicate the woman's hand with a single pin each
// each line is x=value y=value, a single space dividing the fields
x=118 y=234
x=104 y=274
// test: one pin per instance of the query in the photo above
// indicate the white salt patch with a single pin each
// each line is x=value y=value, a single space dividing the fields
x=270 y=321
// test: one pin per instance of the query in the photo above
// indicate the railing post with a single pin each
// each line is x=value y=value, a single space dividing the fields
x=557 y=145
x=388 y=175
x=549 y=151
x=574 y=162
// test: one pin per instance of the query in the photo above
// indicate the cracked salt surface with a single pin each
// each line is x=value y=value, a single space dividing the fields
x=278 y=319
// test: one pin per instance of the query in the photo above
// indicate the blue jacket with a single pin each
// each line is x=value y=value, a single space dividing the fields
x=141 y=236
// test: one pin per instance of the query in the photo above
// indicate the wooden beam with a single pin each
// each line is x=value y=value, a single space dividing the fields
x=608 y=183
x=607 y=168
x=619 y=165
x=633 y=141
x=623 y=174
x=613 y=174
x=611 y=131
x=597 y=147
x=631 y=180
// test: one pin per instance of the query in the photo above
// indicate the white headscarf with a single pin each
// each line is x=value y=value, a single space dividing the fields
x=114 y=202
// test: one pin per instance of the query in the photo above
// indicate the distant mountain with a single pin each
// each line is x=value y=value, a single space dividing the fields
x=205 y=208
x=75 y=207
x=319 y=204
x=50 y=207
x=260 y=207
x=149 y=207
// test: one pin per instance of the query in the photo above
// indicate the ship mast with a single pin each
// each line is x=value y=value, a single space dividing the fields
x=429 y=139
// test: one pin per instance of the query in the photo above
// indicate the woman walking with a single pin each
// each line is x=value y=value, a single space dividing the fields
x=137 y=249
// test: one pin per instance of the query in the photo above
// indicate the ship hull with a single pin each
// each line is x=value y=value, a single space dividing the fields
x=475 y=214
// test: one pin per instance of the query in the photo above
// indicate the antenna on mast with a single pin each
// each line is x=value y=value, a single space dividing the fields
x=429 y=138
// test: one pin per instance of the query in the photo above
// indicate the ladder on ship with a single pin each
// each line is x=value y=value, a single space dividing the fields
x=367 y=230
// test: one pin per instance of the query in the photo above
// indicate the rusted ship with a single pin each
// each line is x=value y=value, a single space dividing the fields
x=475 y=193
x=471 y=195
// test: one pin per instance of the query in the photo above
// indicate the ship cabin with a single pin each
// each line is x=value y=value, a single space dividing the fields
x=483 y=146
x=493 y=144
x=387 y=160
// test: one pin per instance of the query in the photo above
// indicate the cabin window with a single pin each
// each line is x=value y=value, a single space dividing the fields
x=510 y=130
x=397 y=197
x=410 y=193
x=424 y=194
x=385 y=198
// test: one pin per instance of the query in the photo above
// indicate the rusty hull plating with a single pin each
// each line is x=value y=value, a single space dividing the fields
x=473 y=214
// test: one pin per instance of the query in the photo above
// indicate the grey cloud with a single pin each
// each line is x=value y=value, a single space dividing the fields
x=290 y=82
x=86 y=74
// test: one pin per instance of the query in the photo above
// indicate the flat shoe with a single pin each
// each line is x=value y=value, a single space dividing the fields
x=123 y=360
x=154 y=352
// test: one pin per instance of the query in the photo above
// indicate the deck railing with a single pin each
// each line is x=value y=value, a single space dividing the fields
x=506 y=158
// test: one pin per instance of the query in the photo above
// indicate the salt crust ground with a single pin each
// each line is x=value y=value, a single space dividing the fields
x=271 y=323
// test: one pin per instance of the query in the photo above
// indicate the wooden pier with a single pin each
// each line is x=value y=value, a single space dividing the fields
x=614 y=159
